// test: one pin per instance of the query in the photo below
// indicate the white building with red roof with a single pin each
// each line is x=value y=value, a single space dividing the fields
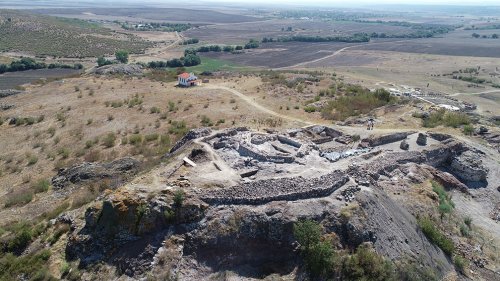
x=187 y=79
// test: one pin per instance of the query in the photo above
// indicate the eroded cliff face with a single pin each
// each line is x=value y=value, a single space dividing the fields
x=248 y=228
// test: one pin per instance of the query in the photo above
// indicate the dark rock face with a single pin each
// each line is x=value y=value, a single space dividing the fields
x=127 y=220
x=86 y=171
x=404 y=145
x=422 y=139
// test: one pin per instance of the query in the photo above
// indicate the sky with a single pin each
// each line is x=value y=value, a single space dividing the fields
x=370 y=2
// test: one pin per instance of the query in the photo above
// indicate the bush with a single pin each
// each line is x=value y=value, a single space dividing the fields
x=41 y=186
x=309 y=109
x=307 y=233
x=446 y=205
x=468 y=130
x=435 y=236
x=468 y=221
x=32 y=266
x=18 y=198
x=109 y=140
x=460 y=263
x=154 y=109
x=446 y=118
x=206 y=122
x=151 y=137
x=32 y=159
x=366 y=264
x=178 y=198
x=135 y=139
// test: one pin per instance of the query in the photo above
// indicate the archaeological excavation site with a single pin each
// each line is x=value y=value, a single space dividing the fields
x=230 y=205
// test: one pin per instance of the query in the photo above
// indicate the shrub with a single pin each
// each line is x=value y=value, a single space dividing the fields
x=32 y=159
x=460 y=263
x=468 y=221
x=435 y=236
x=445 y=118
x=178 y=198
x=366 y=264
x=92 y=156
x=109 y=140
x=18 y=198
x=309 y=109
x=51 y=131
x=110 y=117
x=355 y=138
x=446 y=205
x=468 y=130
x=41 y=186
x=178 y=128
x=135 y=139
x=464 y=230
x=64 y=152
x=154 y=110
x=206 y=122
x=151 y=137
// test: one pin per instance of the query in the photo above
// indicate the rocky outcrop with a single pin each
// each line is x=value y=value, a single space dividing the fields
x=126 y=218
x=10 y=92
x=116 y=171
x=385 y=139
x=422 y=139
x=468 y=166
x=191 y=135
x=263 y=191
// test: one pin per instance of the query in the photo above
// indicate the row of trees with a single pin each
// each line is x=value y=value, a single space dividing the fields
x=188 y=60
x=29 y=63
x=492 y=36
x=355 y=38
x=252 y=44
x=190 y=41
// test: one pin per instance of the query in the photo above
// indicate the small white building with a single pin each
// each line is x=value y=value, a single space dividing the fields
x=187 y=79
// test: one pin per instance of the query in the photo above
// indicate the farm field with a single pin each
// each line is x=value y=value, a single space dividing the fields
x=275 y=55
x=458 y=43
x=58 y=37
x=151 y=14
x=240 y=33
x=12 y=80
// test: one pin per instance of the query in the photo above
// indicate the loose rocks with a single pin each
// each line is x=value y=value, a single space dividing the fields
x=422 y=139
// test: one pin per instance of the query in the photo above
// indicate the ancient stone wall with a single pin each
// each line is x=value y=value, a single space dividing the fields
x=245 y=151
x=288 y=189
x=289 y=141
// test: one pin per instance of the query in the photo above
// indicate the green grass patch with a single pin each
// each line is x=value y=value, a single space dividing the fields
x=446 y=118
x=210 y=65
x=435 y=236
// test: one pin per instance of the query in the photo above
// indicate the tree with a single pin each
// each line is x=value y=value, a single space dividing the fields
x=101 y=61
x=494 y=36
x=307 y=233
x=475 y=35
x=191 y=60
x=122 y=56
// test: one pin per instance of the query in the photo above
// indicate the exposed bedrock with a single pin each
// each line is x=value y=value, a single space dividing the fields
x=116 y=171
x=127 y=218
x=230 y=237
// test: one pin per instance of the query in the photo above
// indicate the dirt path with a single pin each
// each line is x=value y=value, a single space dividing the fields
x=478 y=93
x=257 y=106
